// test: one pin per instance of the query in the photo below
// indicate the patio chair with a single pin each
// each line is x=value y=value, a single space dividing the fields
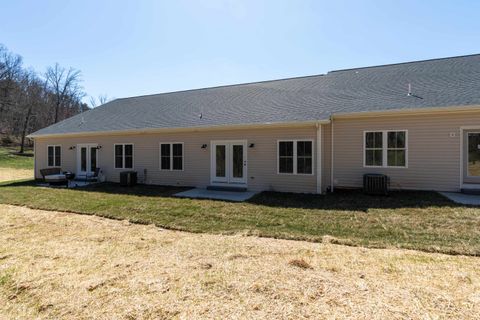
x=93 y=176
x=54 y=176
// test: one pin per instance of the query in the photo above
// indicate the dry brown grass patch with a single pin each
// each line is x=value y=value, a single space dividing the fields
x=66 y=266
x=9 y=174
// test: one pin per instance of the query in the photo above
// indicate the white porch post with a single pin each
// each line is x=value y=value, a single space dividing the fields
x=319 y=158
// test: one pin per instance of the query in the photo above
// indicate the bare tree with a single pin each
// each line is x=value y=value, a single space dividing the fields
x=33 y=91
x=102 y=99
x=29 y=102
x=10 y=68
x=10 y=64
x=64 y=84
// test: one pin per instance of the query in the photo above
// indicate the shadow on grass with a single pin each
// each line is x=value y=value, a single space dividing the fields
x=137 y=190
x=108 y=188
x=353 y=200
x=341 y=200
x=18 y=183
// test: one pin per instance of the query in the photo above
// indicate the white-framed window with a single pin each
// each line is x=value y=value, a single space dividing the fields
x=54 y=156
x=385 y=148
x=295 y=156
x=171 y=156
x=123 y=155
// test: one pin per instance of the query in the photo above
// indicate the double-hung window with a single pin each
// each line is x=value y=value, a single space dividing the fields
x=171 y=156
x=54 y=156
x=124 y=156
x=295 y=156
x=386 y=148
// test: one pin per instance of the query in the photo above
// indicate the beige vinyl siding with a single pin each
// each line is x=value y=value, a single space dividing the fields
x=262 y=159
x=433 y=154
x=326 y=155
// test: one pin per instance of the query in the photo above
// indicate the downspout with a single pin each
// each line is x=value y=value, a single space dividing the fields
x=319 y=158
x=331 y=154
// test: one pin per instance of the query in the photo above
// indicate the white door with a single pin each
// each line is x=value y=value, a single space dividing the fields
x=87 y=159
x=229 y=162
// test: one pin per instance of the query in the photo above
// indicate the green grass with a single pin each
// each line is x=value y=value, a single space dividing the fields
x=9 y=158
x=415 y=220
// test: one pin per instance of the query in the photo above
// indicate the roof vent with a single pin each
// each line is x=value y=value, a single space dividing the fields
x=410 y=93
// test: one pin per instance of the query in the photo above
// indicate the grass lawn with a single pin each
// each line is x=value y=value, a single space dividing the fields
x=414 y=220
x=9 y=158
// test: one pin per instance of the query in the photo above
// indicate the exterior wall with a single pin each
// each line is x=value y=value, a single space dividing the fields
x=262 y=159
x=434 y=161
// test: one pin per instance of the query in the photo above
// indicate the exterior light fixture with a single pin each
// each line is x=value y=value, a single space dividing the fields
x=251 y=145
x=72 y=147
x=204 y=146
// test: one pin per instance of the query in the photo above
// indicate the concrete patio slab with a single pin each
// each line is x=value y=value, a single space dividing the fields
x=199 y=193
x=71 y=184
x=467 y=199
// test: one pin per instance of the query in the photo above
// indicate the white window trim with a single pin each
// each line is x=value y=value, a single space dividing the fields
x=171 y=156
x=468 y=132
x=123 y=156
x=295 y=157
x=385 y=148
x=55 y=145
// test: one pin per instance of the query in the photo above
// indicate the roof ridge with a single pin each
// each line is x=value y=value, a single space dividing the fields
x=223 y=86
x=407 y=62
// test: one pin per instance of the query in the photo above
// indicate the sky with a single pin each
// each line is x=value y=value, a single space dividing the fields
x=130 y=48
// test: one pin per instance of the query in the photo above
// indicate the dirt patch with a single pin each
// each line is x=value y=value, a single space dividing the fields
x=300 y=263
x=8 y=174
x=53 y=266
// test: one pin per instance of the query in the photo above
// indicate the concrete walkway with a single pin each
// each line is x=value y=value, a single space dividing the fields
x=199 y=193
x=461 y=198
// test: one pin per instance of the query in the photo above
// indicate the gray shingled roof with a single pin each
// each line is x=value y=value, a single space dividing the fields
x=435 y=83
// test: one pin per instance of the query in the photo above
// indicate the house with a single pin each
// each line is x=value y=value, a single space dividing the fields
x=417 y=122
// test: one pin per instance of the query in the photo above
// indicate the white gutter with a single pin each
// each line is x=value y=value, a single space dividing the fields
x=264 y=125
x=450 y=109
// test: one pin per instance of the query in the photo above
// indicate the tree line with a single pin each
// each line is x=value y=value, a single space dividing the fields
x=30 y=100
